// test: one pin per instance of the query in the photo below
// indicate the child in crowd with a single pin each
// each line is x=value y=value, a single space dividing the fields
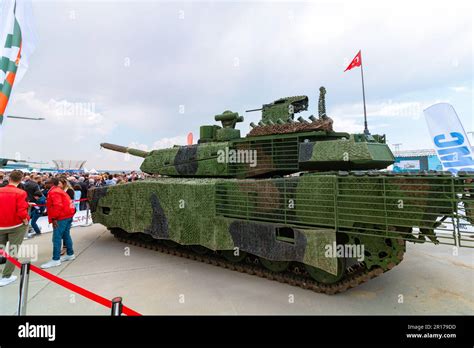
x=37 y=210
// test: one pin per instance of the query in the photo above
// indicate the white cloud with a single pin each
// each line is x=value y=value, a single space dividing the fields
x=459 y=89
x=79 y=118
x=389 y=109
x=71 y=130
x=159 y=144
x=350 y=125
x=169 y=142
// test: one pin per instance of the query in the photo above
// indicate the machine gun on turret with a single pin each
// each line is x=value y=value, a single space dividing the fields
x=282 y=110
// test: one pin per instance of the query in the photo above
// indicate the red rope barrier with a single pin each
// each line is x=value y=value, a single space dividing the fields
x=73 y=287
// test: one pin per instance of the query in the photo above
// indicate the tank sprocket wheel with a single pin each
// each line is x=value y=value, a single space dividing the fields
x=380 y=251
x=274 y=266
x=230 y=256
x=325 y=277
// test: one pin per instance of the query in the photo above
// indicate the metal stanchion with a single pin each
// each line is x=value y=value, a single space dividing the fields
x=87 y=212
x=117 y=306
x=23 y=295
x=87 y=215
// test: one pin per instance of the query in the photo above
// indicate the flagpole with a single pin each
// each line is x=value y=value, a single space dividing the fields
x=366 y=129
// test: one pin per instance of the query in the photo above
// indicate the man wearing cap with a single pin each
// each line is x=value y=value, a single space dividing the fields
x=13 y=222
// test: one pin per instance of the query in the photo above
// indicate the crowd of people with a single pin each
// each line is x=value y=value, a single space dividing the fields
x=24 y=198
x=37 y=186
x=84 y=181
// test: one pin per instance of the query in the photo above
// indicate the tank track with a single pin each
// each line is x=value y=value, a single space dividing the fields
x=296 y=275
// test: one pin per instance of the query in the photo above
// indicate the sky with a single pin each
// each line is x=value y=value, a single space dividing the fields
x=146 y=73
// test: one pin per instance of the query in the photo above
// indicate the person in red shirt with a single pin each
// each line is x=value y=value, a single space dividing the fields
x=61 y=210
x=13 y=221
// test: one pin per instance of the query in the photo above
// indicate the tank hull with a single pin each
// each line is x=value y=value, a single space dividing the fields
x=300 y=219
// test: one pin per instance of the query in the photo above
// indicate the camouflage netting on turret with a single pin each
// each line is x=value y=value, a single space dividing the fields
x=320 y=124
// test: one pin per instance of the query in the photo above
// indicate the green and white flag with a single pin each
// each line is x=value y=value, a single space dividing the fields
x=17 y=43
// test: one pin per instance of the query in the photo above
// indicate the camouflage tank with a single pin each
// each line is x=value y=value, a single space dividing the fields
x=293 y=201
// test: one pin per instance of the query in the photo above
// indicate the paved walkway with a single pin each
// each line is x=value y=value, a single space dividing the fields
x=431 y=280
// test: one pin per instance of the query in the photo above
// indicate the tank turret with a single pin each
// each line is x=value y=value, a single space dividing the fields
x=278 y=145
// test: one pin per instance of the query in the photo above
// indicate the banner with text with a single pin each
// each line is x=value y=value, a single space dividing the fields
x=449 y=138
x=81 y=218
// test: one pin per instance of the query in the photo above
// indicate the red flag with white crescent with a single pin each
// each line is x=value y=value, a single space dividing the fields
x=357 y=61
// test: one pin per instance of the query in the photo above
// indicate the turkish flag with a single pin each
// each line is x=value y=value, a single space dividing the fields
x=357 y=61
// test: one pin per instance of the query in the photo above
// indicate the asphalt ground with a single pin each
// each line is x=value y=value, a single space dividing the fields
x=430 y=280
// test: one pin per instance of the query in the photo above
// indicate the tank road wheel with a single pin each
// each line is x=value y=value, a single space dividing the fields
x=199 y=249
x=230 y=256
x=170 y=243
x=324 y=277
x=274 y=266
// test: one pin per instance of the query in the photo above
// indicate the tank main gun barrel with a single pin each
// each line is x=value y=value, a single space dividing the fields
x=124 y=149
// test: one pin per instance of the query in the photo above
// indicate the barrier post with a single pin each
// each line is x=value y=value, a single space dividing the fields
x=87 y=212
x=23 y=295
x=117 y=306
x=88 y=215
